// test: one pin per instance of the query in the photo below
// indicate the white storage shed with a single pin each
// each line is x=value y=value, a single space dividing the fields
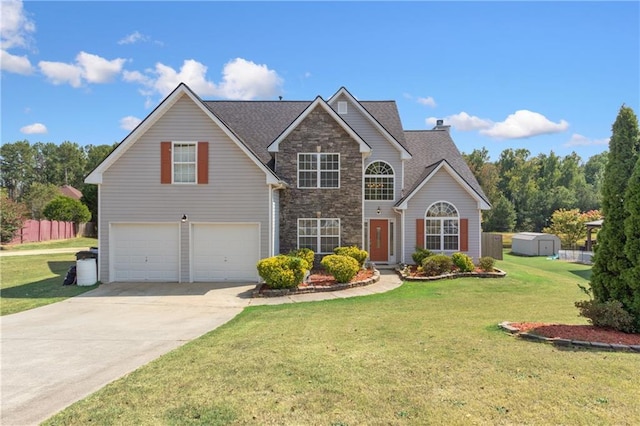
x=535 y=244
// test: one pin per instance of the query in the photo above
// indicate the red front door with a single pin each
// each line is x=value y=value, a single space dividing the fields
x=379 y=240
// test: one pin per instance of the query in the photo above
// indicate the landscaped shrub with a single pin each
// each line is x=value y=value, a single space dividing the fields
x=282 y=271
x=306 y=254
x=609 y=314
x=438 y=264
x=463 y=262
x=343 y=268
x=487 y=263
x=358 y=254
x=419 y=255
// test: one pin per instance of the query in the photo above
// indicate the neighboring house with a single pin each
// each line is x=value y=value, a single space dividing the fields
x=201 y=190
x=71 y=192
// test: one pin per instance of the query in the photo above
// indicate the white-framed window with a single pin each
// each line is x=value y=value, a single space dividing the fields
x=184 y=162
x=319 y=235
x=379 y=181
x=442 y=227
x=318 y=170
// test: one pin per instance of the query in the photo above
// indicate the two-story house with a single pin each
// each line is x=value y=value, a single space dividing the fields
x=201 y=190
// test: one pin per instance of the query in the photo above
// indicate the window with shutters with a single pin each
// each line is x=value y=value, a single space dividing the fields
x=184 y=162
x=442 y=227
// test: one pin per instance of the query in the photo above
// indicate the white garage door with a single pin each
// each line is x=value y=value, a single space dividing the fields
x=145 y=252
x=225 y=252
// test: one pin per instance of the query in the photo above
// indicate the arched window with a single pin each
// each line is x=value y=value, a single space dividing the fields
x=442 y=227
x=378 y=181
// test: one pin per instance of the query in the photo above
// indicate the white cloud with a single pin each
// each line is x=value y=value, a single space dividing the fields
x=96 y=69
x=579 y=140
x=129 y=122
x=244 y=79
x=87 y=68
x=15 y=64
x=61 y=73
x=15 y=26
x=241 y=79
x=132 y=38
x=524 y=124
x=35 y=128
x=429 y=101
x=463 y=122
x=15 y=32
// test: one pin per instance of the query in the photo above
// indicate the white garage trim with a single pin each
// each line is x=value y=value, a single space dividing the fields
x=224 y=251
x=143 y=251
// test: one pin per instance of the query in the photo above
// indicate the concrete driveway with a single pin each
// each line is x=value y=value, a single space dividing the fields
x=57 y=354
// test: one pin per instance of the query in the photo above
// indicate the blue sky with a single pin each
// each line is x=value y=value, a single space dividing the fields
x=542 y=76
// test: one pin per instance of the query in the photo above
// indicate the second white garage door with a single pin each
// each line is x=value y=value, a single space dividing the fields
x=225 y=252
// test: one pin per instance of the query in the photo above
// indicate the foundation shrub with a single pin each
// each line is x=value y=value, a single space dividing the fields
x=306 y=254
x=282 y=271
x=463 y=262
x=438 y=264
x=419 y=255
x=343 y=268
x=355 y=252
x=487 y=263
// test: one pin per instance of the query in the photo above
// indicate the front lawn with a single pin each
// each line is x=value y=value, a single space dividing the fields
x=28 y=282
x=425 y=353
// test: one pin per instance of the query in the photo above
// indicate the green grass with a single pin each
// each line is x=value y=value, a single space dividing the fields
x=28 y=282
x=425 y=353
x=81 y=242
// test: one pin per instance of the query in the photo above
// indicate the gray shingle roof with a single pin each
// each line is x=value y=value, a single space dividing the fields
x=429 y=148
x=258 y=123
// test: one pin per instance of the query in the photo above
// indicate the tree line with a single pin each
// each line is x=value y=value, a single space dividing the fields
x=32 y=175
x=526 y=190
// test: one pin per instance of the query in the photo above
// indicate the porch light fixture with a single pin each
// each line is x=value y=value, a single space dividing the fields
x=378 y=211
x=184 y=218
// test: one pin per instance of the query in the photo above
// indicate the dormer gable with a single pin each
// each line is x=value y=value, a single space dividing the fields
x=319 y=103
x=342 y=101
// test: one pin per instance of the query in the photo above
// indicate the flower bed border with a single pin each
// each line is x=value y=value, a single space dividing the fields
x=496 y=274
x=261 y=289
x=556 y=341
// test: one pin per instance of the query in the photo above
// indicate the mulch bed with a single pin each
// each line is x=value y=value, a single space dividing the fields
x=319 y=281
x=586 y=333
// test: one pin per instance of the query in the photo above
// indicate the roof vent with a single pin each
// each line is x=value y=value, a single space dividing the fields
x=439 y=122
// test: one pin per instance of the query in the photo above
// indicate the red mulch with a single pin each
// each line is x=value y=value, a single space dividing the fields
x=323 y=279
x=587 y=333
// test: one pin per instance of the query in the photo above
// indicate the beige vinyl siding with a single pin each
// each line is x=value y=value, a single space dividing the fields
x=381 y=150
x=132 y=192
x=442 y=187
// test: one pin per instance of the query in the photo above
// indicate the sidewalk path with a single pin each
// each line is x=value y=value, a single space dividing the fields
x=7 y=253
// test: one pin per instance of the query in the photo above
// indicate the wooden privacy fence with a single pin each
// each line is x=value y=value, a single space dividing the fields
x=492 y=245
x=34 y=231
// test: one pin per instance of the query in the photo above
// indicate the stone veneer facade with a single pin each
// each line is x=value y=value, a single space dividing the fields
x=319 y=129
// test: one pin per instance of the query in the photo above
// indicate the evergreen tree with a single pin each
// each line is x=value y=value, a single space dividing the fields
x=610 y=259
x=632 y=245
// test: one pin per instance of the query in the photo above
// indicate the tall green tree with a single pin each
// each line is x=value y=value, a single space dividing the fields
x=18 y=167
x=67 y=209
x=38 y=196
x=12 y=217
x=610 y=260
x=632 y=245
x=501 y=217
